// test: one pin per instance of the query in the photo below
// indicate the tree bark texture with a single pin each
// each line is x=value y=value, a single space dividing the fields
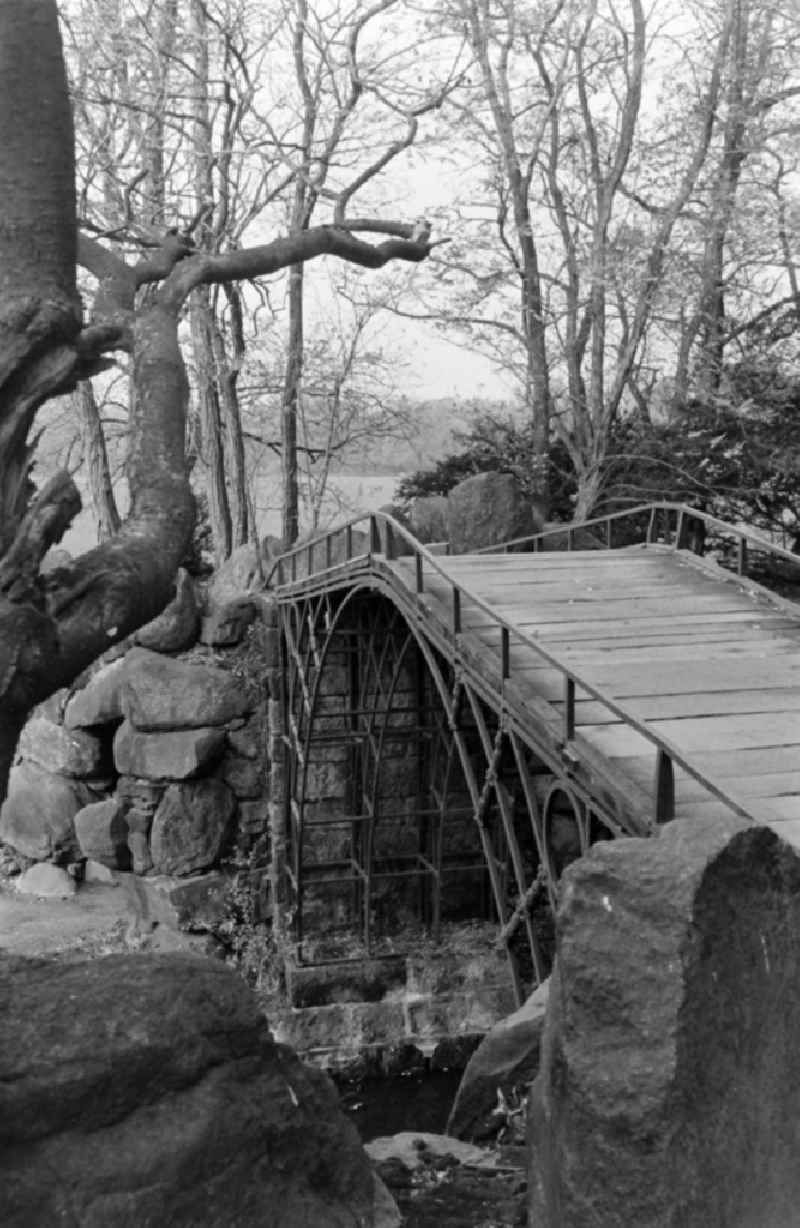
x=96 y=456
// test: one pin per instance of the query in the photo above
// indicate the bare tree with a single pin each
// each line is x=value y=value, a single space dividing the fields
x=51 y=627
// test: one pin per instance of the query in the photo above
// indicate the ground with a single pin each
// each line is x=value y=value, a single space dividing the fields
x=100 y=919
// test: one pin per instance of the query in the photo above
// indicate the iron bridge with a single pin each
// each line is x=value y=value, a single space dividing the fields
x=458 y=729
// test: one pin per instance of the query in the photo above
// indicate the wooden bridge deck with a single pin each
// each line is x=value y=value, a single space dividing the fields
x=708 y=663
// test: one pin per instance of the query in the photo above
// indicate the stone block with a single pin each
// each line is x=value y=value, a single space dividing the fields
x=246 y=777
x=47 y=881
x=363 y=980
x=37 y=817
x=198 y=904
x=190 y=826
x=100 y=700
x=102 y=833
x=71 y=752
x=249 y=740
x=165 y=694
x=326 y=780
x=254 y=816
x=167 y=755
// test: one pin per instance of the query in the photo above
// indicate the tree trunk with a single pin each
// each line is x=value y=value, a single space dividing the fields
x=225 y=374
x=211 y=449
x=289 y=408
x=96 y=456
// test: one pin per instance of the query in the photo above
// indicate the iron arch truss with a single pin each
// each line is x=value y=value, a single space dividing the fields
x=413 y=795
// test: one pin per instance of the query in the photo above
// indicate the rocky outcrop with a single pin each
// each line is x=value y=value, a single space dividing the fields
x=487 y=509
x=141 y=1090
x=137 y=724
x=506 y=1061
x=669 y=1090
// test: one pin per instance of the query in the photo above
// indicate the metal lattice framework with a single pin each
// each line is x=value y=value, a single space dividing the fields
x=445 y=785
x=473 y=766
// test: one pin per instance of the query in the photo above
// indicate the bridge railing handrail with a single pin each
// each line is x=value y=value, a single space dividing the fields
x=684 y=513
x=386 y=544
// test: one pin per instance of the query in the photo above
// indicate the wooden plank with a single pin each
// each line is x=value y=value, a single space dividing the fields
x=635 y=679
x=784 y=807
x=764 y=784
x=635 y=609
x=716 y=733
x=712 y=618
x=654 y=707
x=777 y=654
x=760 y=761
x=710 y=809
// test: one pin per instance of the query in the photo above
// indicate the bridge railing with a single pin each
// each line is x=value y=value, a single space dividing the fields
x=676 y=524
x=379 y=535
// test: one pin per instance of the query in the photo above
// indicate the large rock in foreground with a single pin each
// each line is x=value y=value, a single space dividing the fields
x=146 y=1090
x=669 y=1090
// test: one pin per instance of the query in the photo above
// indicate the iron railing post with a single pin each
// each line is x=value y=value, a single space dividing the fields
x=664 y=787
x=569 y=709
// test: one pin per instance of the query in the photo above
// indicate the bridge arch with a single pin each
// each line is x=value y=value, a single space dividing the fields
x=413 y=797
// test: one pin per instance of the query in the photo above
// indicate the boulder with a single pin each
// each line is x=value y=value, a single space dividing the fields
x=226 y=622
x=240 y=573
x=71 y=752
x=37 y=817
x=47 y=881
x=147 y=1090
x=669 y=1088
x=100 y=700
x=176 y=627
x=190 y=825
x=487 y=509
x=101 y=830
x=506 y=1060
x=428 y=518
x=161 y=693
x=170 y=755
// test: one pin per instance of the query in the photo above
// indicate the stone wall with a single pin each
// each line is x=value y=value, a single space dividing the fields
x=158 y=760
